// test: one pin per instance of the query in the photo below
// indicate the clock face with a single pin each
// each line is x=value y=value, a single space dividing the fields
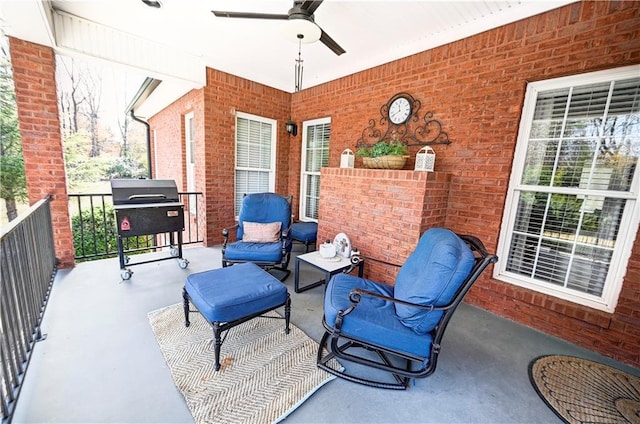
x=399 y=110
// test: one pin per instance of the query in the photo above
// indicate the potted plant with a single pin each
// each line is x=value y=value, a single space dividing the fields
x=384 y=154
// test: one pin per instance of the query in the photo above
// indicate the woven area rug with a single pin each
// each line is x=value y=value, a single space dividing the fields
x=583 y=391
x=265 y=373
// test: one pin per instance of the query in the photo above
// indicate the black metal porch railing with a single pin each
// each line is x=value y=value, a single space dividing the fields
x=95 y=233
x=28 y=266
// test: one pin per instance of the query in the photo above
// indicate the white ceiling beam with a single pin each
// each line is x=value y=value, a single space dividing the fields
x=77 y=35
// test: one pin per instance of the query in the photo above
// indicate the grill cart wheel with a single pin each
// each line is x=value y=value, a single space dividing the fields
x=126 y=274
x=173 y=252
x=183 y=263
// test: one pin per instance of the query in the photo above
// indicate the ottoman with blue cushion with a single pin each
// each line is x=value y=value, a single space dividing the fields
x=227 y=297
x=305 y=232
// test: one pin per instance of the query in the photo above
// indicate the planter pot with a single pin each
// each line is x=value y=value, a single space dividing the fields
x=385 y=162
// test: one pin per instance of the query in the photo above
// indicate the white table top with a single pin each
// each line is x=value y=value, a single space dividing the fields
x=330 y=265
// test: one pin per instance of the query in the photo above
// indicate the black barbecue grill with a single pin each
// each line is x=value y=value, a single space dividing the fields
x=148 y=207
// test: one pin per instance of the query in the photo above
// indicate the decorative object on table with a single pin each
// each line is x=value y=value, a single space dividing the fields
x=327 y=250
x=342 y=245
x=582 y=391
x=256 y=352
x=347 y=159
x=401 y=125
x=425 y=159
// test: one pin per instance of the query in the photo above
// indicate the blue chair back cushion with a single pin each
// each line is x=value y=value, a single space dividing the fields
x=264 y=208
x=432 y=275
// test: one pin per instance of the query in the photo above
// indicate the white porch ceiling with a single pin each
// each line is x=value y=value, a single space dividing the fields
x=175 y=43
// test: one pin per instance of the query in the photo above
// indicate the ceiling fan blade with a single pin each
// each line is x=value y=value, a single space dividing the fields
x=248 y=15
x=311 y=6
x=328 y=41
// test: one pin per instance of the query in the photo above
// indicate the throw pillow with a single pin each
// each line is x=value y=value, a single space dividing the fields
x=257 y=232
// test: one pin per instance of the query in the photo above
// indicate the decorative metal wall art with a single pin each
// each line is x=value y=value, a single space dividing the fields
x=410 y=128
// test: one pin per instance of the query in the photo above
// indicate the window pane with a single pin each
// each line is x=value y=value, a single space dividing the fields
x=565 y=240
x=587 y=137
x=250 y=182
x=253 y=158
x=316 y=154
x=253 y=144
x=548 y=117
x=312 y=196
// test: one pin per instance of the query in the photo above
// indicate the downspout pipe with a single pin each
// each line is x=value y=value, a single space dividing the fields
x=146 y=124
x=145 y=90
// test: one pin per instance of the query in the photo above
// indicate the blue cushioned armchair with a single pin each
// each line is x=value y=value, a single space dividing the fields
x=263 y=233
x=398 y=329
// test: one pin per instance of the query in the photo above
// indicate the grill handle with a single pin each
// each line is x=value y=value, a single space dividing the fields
x=147 y=196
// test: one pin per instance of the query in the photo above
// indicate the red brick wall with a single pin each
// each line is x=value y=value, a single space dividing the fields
x=225 y=95
x=215 y=108
x=383 y=212
x=476 y=88
x=168 y=148
x=34 y=78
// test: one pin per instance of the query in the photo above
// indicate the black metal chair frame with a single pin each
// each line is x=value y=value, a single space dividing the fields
x=284 y=239
x=340 y=346
x=221 y=327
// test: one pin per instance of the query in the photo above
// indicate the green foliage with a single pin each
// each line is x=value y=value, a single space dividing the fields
x=383 y=148
x=13 y=183
x=95 y=233
x=125 y=167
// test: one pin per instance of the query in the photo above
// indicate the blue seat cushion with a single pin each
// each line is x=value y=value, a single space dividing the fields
x=374 y=320
x=232 y=293
x=304 y=231
x=255 y=252
x=432 y=275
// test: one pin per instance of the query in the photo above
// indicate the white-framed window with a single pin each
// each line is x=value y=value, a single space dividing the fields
x=572 y=209
x=315 y=155
x=255 y=156
x=190 y=150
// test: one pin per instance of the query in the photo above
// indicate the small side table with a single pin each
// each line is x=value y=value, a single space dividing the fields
x=329 y=266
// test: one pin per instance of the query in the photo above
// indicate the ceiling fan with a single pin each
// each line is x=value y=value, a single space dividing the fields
x=301 y=10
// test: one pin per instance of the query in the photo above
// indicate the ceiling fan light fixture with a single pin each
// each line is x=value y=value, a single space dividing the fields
x=294 y=28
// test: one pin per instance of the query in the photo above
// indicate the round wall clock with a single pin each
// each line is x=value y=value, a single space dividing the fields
x=400 y=110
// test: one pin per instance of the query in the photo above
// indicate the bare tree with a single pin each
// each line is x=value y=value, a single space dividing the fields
x=124 y=126
x=91 y=109
x=71 y=97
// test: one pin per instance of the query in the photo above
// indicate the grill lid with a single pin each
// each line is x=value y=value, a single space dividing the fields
x=139 y=192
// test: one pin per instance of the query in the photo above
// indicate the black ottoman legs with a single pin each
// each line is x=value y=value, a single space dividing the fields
x=287 y=314
x=185 y=302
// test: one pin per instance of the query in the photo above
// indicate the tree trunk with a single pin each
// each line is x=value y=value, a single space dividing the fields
x=12 y=209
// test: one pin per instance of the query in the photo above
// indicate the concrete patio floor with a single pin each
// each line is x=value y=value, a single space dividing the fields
x=100 y=362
